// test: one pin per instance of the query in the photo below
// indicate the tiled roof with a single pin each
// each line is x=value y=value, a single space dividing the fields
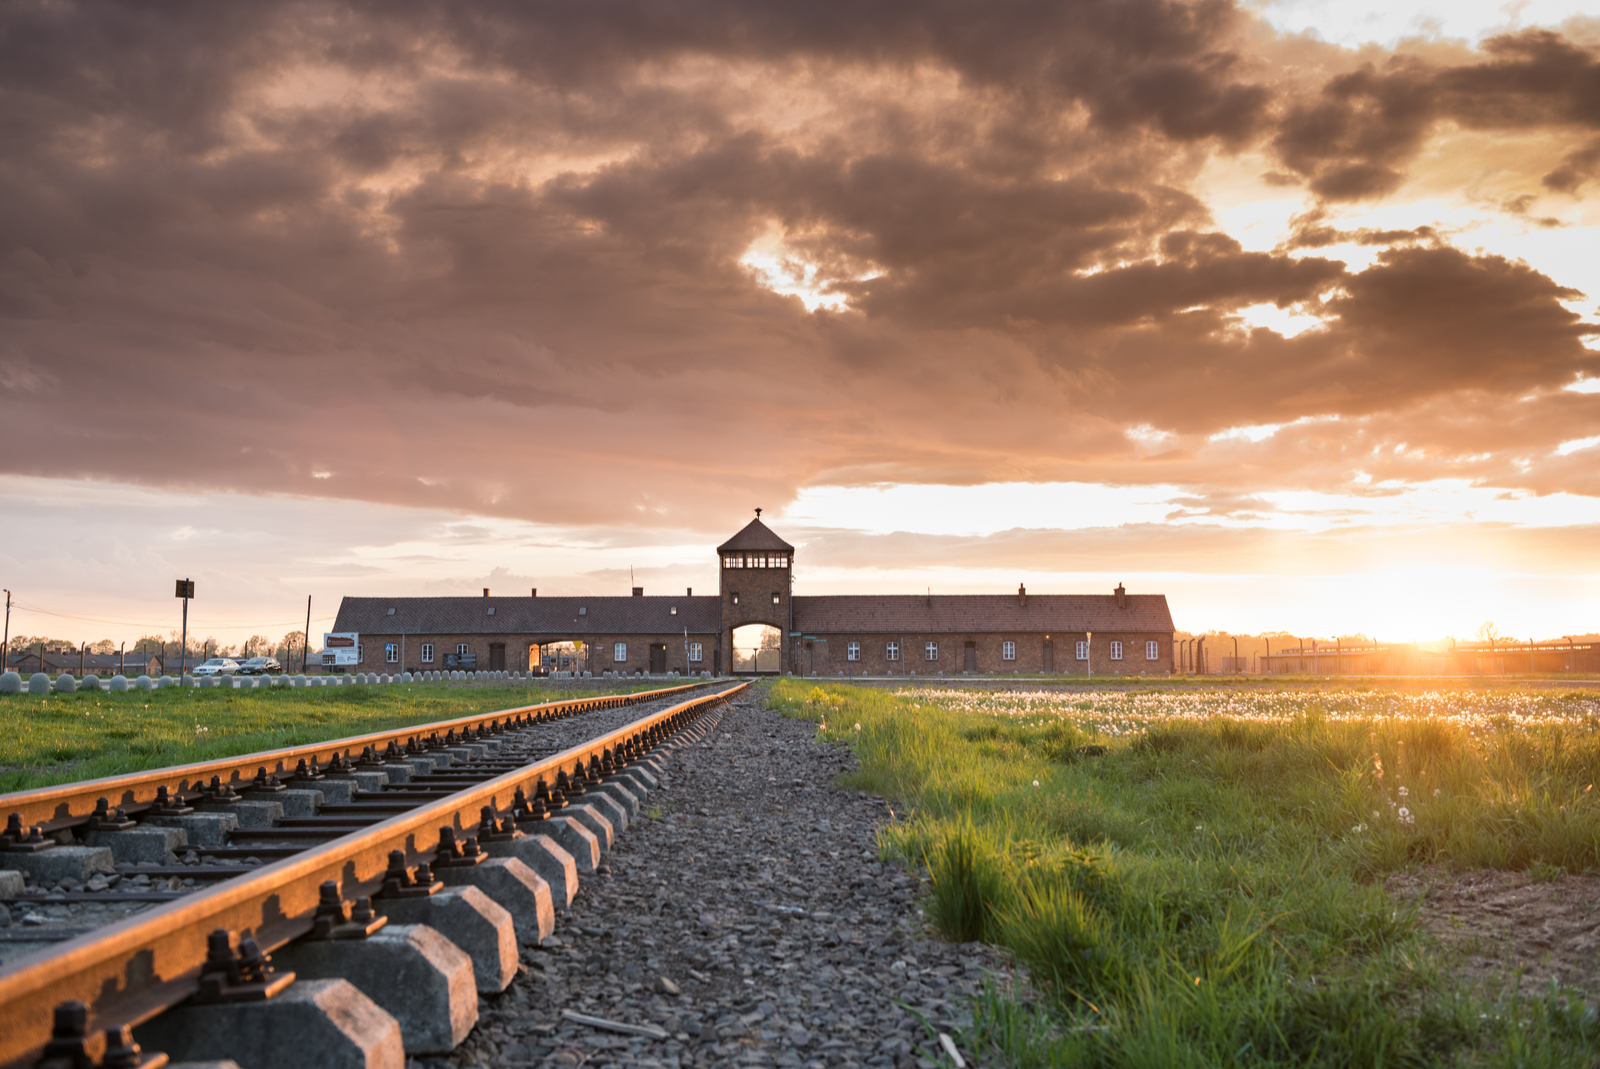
x=756 y=537
x=919 y=614
x=529 y=616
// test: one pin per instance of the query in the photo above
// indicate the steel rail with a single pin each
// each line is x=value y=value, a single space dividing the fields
x=132 y=970
x=70 y=805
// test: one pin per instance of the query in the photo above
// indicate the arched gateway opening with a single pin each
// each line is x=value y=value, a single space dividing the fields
x=757 y=649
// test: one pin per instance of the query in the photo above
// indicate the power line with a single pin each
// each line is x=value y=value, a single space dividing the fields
x=157 y=627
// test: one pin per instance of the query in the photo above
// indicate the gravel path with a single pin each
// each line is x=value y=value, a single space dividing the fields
x=749 y=918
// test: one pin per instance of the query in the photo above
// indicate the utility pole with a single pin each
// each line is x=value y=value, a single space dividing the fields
x=5 y=649
x=305 y=646
x=1088 y=648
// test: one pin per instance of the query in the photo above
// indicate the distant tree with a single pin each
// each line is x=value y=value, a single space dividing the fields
x=1488 y=632
x=105 y=645
x=149 y=644
x=257 y=646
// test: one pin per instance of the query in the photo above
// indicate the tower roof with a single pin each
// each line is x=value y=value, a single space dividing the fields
x=757 y=537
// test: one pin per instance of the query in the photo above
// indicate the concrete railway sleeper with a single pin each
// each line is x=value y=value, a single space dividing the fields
x=357 y=949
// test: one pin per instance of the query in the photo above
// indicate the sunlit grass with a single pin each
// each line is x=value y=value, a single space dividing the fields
x=61 y=738
x=1194 y=879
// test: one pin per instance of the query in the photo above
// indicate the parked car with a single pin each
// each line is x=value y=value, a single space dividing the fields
x=218 y=666
x=260 y=666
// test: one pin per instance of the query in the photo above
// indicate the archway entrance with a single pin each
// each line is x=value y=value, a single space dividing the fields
x=757 y=650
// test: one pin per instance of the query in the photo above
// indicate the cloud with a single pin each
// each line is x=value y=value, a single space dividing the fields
x=490 y=260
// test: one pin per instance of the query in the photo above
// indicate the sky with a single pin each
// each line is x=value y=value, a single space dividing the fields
x=1287 y=309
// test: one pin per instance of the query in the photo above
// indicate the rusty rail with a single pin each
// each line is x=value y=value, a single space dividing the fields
x=71 y=804
x=130 y=971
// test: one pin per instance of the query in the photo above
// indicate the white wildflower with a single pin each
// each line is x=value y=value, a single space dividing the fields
x=1404 y=793
x=1405 y=816
x=1436 y=792
x=1036 y=783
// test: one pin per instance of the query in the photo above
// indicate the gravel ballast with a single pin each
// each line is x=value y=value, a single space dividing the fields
x=747 y=921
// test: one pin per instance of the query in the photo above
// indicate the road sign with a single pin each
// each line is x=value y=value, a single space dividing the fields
x=185 y=588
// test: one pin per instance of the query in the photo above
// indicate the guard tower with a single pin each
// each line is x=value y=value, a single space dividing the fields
x=756 y=569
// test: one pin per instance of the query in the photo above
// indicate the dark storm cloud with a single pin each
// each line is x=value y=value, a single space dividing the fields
x=487 y=257
x=1354 y=139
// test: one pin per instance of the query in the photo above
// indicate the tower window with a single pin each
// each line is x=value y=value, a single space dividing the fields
x=777 y=598
x=931 y=652
x=891 y=652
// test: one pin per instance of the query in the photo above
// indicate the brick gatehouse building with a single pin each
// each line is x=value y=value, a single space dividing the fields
x=756 y=624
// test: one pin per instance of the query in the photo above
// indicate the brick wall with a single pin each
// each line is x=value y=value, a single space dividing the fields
x=599 y=657
x=830 y=658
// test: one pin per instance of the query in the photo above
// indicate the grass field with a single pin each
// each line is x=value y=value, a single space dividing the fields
x=59 y=738
x=1197 y=878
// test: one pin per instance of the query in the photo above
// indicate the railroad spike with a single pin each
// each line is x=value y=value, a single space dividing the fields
x=123 y=1053
x=68 y=1046
x=243 y=976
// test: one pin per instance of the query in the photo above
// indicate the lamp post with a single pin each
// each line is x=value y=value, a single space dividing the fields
x=185 y=590
x=5 y=647
x=1088 y=649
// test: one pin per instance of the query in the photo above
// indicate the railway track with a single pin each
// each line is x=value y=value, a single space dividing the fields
x=390 y=878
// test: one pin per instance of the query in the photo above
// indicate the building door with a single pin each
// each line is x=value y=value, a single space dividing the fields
x=497 y=656
x=970 y=664
x=658 y=658
x=1049 y=657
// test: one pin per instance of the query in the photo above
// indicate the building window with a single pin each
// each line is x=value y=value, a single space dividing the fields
x=674 y=610
x=1116 y=651
x=735 y=597
x=852 y=651
x=694 y=651
x=391 y=652
x=619 y=652
x=427 y=653
x=361 y=652
x=777 y=598
x=461 y=649
x=1083 y=650
x=931 y=652
x=491 y=610
x=891 y=652
x=1008 y=651
x=1152 y=650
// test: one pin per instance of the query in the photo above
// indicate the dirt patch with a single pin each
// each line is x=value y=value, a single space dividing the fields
x=1502 y=922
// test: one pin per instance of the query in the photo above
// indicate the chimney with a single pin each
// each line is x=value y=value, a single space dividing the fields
x=638 y=591
x=485 y=591
x=535 y=592
x=1122 y=597
x=689 y=591
x=1022 y=596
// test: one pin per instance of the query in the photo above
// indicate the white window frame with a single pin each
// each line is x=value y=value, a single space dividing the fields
x=1116 y=651
x=930 y=652
x=852 y=651
x=391 y=652
x=427 y=653
x=361 y=653
x=891 y=652
x=1083 y=649
x=695 y=651
x=462 y=649
x=619 y=652
x=1152 y=650
x=1008 y=651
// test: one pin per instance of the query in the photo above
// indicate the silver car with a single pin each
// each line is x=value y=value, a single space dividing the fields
x=217 y=666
